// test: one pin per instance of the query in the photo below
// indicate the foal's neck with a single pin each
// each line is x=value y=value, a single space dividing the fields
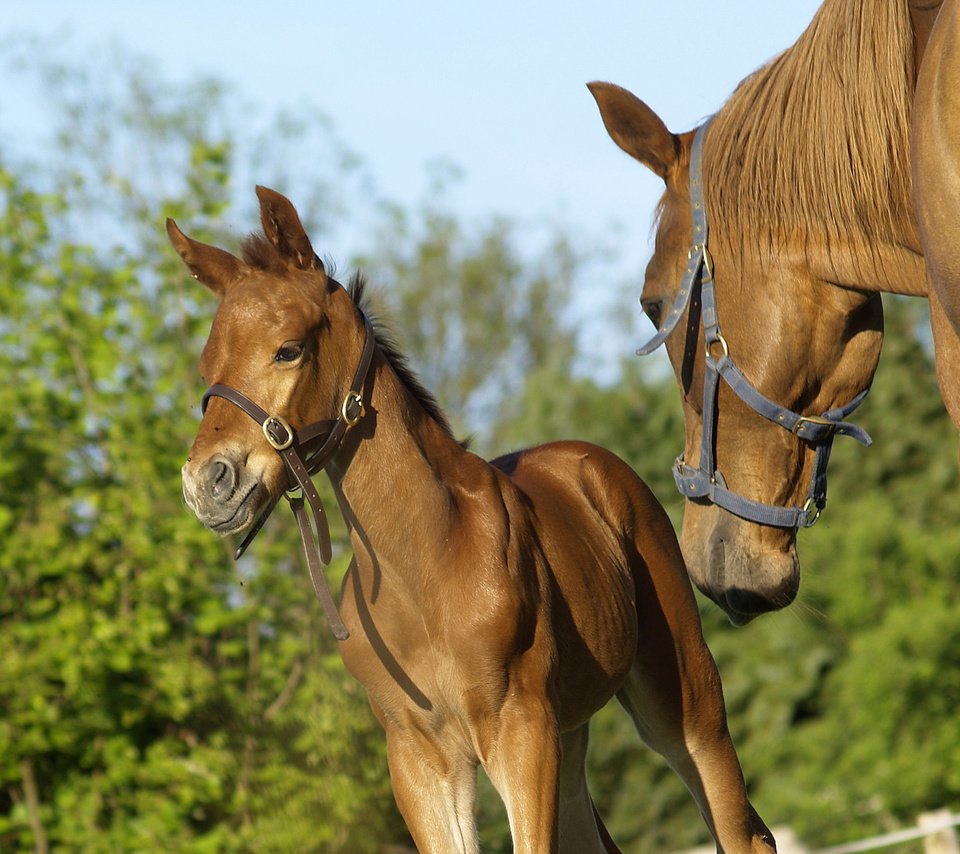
x=394 y=474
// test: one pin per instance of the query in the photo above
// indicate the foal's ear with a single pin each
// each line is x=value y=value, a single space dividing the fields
x=215 y=268
x=282 y=226
x=636 y=128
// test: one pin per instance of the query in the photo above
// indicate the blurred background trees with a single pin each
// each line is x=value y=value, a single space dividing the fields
x=156 y=696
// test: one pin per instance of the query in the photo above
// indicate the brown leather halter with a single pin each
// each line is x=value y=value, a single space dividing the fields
x=306 y=452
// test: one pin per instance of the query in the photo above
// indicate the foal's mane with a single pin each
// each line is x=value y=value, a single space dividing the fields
x=818 y=140
x=398 y=361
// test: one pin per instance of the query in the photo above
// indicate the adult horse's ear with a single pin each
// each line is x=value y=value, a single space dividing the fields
x=281 y=224
x=636 y=128
x=215 y=268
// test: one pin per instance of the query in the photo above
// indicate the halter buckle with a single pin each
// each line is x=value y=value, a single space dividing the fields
x=707 y=262
x=273 y=421
x=355 y=401
x=817 y=420
x=810 y=518
x=702 y=249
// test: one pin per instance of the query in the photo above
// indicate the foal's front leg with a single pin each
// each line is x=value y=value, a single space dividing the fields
x=523 y=763
x=435 y=789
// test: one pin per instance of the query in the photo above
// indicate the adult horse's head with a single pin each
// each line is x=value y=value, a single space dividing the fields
x=272 y=339
x=800 y=340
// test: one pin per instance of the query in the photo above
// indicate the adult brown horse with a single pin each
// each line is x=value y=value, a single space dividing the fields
x=492 y=608
x=803 y=179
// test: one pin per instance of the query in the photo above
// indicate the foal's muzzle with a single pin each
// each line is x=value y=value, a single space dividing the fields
x=222 y=494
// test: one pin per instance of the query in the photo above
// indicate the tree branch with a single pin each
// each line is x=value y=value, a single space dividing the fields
x=284 y=696
x=33 y=806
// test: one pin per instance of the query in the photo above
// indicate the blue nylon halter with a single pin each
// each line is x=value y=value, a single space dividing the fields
x=706 y=481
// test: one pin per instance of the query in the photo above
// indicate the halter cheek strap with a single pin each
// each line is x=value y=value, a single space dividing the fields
x=306 y=452
x=706 y=481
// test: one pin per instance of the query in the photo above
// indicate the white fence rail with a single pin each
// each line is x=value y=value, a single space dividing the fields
x=936 y=829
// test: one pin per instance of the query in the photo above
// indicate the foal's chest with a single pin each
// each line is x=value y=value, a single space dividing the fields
x=434 y=667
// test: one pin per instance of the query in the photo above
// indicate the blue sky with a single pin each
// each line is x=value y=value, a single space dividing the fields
x=497 y=88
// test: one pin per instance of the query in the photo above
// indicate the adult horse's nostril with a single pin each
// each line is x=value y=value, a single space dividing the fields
x=221 y=478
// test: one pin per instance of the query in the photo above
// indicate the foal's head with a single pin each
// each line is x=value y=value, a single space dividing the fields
x=284 y=335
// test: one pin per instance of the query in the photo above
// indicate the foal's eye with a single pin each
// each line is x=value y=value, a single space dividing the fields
x=289 y=353
x=652 y=309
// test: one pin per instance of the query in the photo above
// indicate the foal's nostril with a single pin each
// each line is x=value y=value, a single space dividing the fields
x=219 y=474
x=222 y=479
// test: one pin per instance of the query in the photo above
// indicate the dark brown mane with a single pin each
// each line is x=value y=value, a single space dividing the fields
x=818 y=140
x=357 y=290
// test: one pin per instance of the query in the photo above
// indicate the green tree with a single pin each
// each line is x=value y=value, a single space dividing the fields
x=152 y=696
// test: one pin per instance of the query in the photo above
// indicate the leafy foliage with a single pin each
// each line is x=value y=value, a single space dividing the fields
x=152 y=699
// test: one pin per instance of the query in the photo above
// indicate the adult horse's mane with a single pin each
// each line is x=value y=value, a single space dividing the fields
x=260 y=253
x=818 y=140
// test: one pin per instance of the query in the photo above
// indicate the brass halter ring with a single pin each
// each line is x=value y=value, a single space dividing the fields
x=277 y=419
x=354 y=399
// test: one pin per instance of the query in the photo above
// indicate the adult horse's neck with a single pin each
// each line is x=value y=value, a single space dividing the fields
x=812 y=152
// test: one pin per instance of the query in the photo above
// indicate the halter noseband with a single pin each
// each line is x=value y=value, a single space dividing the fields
x=706 y=481
x=306 y=452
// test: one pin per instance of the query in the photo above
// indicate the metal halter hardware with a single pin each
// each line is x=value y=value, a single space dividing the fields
x=706 y=481
x=307 y=451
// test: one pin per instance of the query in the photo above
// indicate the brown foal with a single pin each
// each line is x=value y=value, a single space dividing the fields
x=492 y=608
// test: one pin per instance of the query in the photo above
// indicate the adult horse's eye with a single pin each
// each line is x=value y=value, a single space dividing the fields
x=289 y=353
x=652 y=309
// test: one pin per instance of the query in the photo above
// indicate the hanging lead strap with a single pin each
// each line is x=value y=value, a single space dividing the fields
x=317 y=576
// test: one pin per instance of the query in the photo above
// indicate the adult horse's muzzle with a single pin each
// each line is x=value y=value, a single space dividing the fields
x=746 y=569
